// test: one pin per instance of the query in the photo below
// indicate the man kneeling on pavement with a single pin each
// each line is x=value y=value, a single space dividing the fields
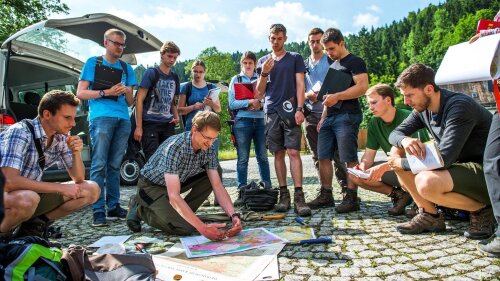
x=460 y=127
x=184 y=162
x=30 y=202
x=385 y=119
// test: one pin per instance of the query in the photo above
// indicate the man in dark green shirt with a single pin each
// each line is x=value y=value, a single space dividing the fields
x=386 y=118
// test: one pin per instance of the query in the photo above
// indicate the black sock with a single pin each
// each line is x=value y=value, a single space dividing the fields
x=433 y=215
x=44 y=218
x=283 y=188
x=327 y=188
x=298 y=188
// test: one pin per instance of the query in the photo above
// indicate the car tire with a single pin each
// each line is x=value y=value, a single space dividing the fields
x=129 y=170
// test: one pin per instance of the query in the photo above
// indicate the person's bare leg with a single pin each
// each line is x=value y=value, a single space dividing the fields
x=295 y=166
x=280 y=166
x=437 y=186
x=325 y=172
x=407 y=179
x=19 y=205
x=376 y=186
x=350 y=184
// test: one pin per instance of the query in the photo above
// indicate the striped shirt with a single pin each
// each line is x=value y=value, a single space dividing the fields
x=176 y=156
x=18 y=150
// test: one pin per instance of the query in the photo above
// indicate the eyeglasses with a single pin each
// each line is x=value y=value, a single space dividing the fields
x=207 y=138
x=118 y=44
x=198 y=72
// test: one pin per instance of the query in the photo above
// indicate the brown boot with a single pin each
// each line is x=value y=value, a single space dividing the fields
x=284 y=203
x=299 y=204
x=481 y=224
x=422 y=222
x=323 y=200
x=350 y=202
x=400 y=199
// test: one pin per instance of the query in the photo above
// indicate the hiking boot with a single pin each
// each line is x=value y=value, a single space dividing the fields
x=422 y=222
x=284 y=202
x=400 y=199
x=299 y=204
x=133 y=220
x=239 y=201
x=118 y=213
x=99 y=219
x=350 y=202
x=411 y=211
x=490 y=247
x=33 y=227
x=481 y=224
x=323 y=200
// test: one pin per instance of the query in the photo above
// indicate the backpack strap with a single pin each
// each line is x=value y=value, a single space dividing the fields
x=38 y=143
x=189 y=89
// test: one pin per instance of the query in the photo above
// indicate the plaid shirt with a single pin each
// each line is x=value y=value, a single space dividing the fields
x=176 y=156
x=18 y=151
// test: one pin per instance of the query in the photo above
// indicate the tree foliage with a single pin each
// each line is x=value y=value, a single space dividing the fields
x=18 y=14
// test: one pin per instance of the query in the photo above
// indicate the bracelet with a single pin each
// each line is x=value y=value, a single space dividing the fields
x=101 y=93
x=236 y=215
x=264 y=74
x=299 y=109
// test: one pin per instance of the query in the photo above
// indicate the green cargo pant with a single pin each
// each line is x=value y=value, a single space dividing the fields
x=155 y=209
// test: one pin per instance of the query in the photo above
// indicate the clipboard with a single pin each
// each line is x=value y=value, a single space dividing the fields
x=243 y=91
x=335 y=81
x=106 y=77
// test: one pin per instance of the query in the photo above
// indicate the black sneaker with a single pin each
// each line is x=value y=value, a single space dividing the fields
x=133 y=219
x=99 y=219
x=117 y=213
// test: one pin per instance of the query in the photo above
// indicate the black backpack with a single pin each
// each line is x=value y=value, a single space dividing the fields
x=259 y=197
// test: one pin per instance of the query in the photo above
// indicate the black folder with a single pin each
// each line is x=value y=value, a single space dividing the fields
x=106 y=77
x=335 y=81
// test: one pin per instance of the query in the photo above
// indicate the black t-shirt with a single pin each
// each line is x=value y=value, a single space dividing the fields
x=352 y=65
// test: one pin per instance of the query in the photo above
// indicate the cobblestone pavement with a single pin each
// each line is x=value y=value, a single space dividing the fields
x=366 y=245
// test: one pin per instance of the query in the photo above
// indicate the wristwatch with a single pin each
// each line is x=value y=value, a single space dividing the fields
x=299 y=109
x=101 y=93
x=236 y=215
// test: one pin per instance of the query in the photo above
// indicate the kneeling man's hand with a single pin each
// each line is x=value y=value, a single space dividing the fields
x=236 y=229
x=213 y=232
x=376 y=172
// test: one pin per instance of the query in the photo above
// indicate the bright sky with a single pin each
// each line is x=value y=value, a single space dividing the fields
x=234 y=25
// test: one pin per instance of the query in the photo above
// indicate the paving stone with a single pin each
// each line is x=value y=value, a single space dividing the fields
x=419 y=275
x=304 y=271
x=443 y=271
x=458 y=278
x=350 y=272
x=329 y=271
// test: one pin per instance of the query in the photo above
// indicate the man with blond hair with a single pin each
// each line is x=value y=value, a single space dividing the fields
x=386 y=118
x=109 y=123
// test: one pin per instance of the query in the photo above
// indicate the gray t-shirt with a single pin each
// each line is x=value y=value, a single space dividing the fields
x=460 y=128
x=281 y=82
x=159 y=109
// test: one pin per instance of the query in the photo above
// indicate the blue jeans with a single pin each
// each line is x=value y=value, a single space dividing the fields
x=246 y=130
x=340 y=131
x=109 y=136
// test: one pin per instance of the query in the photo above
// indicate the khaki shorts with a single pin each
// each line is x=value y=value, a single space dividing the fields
x=468 y=179
x=48 y=202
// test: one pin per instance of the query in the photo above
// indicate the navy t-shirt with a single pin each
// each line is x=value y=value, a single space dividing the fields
x=352 y=65
x=160 y=110
x=281 y=82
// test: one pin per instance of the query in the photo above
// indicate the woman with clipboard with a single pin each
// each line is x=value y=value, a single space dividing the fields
x=249 y=122
x=194 y=97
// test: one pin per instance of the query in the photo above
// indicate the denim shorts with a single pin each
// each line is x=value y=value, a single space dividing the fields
x=340 y=130
x=279 y=136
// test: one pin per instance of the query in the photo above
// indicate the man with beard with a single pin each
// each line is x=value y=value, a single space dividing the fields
x=460 y=127
x=281 y=81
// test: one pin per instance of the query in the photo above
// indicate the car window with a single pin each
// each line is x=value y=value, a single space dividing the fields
x=63 y=42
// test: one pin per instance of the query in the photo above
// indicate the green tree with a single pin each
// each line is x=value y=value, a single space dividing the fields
x=17 y=14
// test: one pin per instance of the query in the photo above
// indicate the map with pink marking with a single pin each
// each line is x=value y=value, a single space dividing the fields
x=199 y=246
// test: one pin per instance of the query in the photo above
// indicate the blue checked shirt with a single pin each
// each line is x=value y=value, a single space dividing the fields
x=176 y=156
x=18 y=151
